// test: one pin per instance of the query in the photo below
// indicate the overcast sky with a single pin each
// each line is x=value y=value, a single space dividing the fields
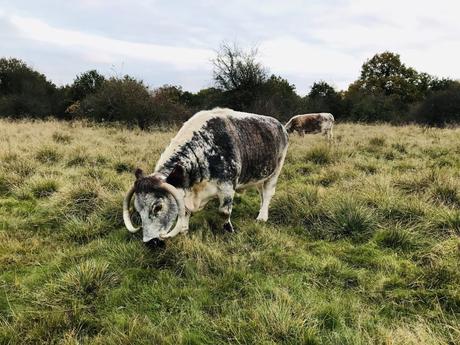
x=172 y=42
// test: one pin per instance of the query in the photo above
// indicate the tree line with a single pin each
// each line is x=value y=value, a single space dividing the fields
x=386 y=91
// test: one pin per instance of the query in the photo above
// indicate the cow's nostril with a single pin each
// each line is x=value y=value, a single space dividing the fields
x=155 y=243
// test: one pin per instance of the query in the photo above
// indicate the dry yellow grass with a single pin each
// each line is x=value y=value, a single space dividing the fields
x=361 y=247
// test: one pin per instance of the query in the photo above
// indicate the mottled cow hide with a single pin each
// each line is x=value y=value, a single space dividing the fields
x=214 y=154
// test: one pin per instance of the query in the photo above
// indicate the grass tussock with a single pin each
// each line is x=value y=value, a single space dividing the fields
x=44 y=188
x=48 y=155
x=62 y=138
x=320 y=154
x=361 y=246
x=87 y=280
x=349 y=219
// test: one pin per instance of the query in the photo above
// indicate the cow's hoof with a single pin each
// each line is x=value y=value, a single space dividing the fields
x=228 y=227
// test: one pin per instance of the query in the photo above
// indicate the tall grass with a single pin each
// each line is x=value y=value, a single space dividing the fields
x=361 y=246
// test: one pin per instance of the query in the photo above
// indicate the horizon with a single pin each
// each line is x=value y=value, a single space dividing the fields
x=117 y=38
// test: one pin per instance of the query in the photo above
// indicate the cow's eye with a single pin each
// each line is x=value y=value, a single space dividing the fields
x=157 y=208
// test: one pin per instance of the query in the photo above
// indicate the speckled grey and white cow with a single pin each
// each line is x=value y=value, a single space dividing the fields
x=215 y=153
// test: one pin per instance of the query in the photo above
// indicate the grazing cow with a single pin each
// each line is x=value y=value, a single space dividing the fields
x=215 y=153
x=311 y=123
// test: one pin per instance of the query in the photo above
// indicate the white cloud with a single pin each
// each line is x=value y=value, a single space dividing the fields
x=102 y=49
x=300 y=40
x=425 y=33
x=306 y=62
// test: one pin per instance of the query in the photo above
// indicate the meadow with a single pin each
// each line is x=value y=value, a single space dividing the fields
x=362 y=244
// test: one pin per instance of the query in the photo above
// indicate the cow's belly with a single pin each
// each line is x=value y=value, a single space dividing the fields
x=251 y=184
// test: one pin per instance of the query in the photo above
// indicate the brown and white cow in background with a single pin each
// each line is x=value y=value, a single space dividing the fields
x=214 y=154
x=312 y=124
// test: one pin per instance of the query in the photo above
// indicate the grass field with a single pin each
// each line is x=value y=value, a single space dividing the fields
x=362 y=244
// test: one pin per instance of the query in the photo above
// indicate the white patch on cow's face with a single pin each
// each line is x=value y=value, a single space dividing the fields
x=158 y=212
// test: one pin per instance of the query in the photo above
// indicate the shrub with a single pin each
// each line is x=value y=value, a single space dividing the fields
x=440 y=107
x=23 y=91
x=125 y=100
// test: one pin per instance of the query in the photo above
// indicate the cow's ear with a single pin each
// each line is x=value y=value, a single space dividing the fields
x=177 y=176
x=138 y=173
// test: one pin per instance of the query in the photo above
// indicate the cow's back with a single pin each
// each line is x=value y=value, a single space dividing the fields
x=259 y=143
x=227 y=146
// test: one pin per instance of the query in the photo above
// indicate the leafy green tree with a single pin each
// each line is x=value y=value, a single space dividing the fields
x=85 y=84
x=323 y=98
x=387 y=89
x=239 y=75
x=170 y=105
x=441 y=106
x=277 y=98
x=204 y=99
x=24 y=91
x=385 y=73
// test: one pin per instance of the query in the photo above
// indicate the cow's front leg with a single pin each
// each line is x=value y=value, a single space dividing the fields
x=226 y=194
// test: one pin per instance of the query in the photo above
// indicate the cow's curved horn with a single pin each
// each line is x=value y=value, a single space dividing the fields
x=175 y=193
x=126 y=216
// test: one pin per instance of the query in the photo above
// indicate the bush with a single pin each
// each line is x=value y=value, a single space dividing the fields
x=125 y=100
x=23 y=91
x=440 y=107
x=130 y=101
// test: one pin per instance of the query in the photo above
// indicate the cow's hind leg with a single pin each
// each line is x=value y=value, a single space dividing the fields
x=226 y=194
x=267 y=190
x=331 y=135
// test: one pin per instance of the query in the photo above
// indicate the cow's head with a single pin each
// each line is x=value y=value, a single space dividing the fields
x=158 y=203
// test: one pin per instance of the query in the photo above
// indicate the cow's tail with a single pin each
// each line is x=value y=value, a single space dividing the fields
x=288 y=126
